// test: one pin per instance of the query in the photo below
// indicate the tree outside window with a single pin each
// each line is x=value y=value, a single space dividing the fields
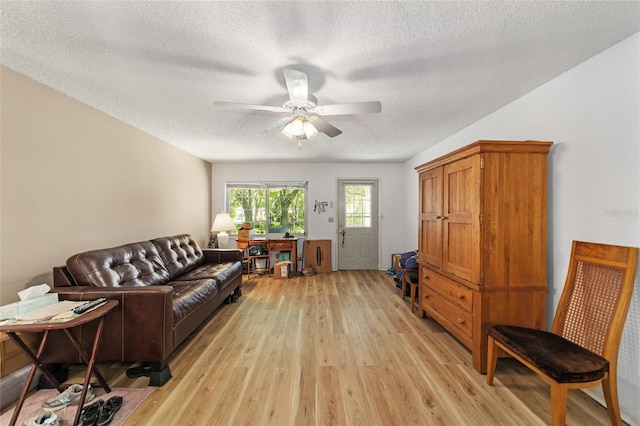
x=268 y=207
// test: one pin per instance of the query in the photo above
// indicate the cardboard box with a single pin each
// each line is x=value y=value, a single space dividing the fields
x=317 y=254
x=282 y=270
x=395 y=262
x=244 y=234
x=11 y=357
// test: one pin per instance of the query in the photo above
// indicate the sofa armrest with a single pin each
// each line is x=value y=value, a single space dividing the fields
x=139 y=329
x=222 y=255
x=62 y=277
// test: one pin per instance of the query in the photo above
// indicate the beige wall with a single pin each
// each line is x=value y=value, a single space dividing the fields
x=74 y=178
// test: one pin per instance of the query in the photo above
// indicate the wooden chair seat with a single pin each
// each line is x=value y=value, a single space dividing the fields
x=558 y=358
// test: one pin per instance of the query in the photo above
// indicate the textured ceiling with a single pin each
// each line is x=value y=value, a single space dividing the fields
x=435 y=66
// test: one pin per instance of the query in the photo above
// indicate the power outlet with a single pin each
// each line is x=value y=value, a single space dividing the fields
x=330 y=220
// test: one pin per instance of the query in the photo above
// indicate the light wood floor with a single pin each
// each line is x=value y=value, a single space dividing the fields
x=337 y=349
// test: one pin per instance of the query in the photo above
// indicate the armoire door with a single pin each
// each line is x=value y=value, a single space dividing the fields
x=430 y=216
x=461 y=218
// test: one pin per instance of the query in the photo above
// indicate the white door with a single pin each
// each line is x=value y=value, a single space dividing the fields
x=358 y=224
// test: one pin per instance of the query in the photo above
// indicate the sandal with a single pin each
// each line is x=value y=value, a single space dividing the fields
x=90 y=413
x=108 y=410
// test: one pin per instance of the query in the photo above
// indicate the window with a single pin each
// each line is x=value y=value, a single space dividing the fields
x=272 y=207
x=358 y=205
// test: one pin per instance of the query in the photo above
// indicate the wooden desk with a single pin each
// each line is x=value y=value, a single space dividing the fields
x=286 y=244
x=97 y=314
x=276 y=245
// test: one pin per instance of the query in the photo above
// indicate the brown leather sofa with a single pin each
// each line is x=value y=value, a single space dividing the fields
x=167 y=288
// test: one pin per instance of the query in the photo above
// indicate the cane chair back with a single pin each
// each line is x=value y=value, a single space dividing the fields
x=596 y=298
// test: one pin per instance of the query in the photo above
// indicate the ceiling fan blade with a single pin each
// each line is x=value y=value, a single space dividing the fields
x=297 y=86
x=352 y=108
x=249 y=106
x=324 y=127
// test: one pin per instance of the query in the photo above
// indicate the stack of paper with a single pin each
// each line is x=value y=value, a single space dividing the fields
x=49 y=311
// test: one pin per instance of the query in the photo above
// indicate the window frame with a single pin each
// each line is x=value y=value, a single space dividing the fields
x=267 y=186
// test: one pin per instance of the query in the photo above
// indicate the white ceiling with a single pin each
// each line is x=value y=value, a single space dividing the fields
x=435 y=66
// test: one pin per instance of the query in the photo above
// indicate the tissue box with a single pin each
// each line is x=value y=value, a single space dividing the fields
x=12 y=310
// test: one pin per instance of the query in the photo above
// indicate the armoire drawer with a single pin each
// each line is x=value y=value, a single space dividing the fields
x=451 y=290
x=455 y=315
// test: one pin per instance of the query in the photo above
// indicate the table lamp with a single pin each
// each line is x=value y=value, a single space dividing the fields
x=221 y=225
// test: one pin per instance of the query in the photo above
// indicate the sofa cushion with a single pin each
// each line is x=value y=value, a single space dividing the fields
x=223 y=273
x=135 y=265
x=179 y=253
x=189 y=295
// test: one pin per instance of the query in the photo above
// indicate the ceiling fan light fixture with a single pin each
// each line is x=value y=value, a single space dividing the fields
x=309 y=129
x=299 y=128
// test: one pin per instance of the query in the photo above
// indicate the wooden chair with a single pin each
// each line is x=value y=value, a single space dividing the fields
x=582 y=348
x=410 y=278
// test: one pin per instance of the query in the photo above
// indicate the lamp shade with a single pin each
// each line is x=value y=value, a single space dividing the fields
x=223 y=222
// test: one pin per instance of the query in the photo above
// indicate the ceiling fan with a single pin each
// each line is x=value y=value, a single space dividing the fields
x=304 y=121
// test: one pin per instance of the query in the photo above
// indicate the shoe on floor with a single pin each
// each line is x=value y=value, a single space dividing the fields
x=71 y=396
x=142 y=370
x=109 y=410
x=90 y=413
x=46 y=417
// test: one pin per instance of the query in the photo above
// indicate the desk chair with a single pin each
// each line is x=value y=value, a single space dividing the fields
x=582 y=348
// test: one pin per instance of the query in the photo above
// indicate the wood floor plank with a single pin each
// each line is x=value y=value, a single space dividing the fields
x=336 y=349
x=330 y=405
x=359 y=410
x=386 y=409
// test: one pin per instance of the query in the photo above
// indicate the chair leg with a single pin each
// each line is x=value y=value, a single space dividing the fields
x=404 y=288
x=559 y=394
x=413 y=296
x=492 y=360
x=610 y=390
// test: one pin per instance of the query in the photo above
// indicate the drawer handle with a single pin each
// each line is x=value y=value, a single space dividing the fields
x=426 y=277
x=461 y=296
x=460 y=321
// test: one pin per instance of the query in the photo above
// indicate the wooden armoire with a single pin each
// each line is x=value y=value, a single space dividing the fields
x=482 y=249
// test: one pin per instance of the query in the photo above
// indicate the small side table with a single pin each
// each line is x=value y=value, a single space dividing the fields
x=97 y=314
